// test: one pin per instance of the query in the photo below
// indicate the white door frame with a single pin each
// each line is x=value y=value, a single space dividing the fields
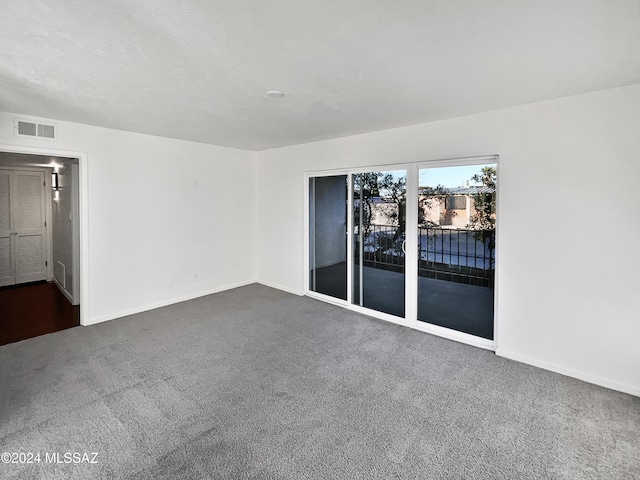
x=411 y=255
x=83 y=217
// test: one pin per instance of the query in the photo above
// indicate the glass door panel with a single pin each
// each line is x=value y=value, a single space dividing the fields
x=379 y=224
x=456 y=243
x=328 y=235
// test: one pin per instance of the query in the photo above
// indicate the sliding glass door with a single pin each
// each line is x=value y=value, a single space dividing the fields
x=456 y=242
x=379 y=233
x=414 y=244
x=328 y=235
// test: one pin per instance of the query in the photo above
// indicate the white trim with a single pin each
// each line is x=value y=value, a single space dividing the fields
x=496 y=259
x=83 y=225
x=326 y=298
x=456 y=336
x=63 y=290
x=392 y=167
x=349 y=238
x=426 y=328
x=75 y=247
x=458 y=162
x=293 y=291
x=84 y=214
x=165 y=303
x=569 y=372
x=380 y=315
x=411 y=260
x=305 y=236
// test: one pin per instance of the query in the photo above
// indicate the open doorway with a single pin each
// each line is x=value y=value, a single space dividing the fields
x=39 y=245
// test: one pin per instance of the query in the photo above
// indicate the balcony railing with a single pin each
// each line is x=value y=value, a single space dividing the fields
x=452 y=254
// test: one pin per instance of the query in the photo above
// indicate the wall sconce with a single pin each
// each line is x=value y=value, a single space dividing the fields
x=54 y=181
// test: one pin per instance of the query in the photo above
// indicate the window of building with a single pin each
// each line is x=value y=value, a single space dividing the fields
x=456 y=202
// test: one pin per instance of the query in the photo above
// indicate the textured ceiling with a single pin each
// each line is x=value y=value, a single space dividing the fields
x=199 y=69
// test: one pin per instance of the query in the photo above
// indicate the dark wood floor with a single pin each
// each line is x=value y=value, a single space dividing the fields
x=31 y=310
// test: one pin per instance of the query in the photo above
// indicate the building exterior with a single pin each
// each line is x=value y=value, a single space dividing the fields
x=453 y=209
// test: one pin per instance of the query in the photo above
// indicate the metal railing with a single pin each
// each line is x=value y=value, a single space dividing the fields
x=383 y=247
x=457 y=255
x=452 y=254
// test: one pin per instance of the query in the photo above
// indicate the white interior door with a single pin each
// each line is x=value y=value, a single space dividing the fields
x=23 y=234
x=7 y=248
x=30 y=227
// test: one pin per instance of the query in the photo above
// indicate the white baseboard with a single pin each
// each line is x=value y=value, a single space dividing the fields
x=280 y=287
x=569 y=372
x=164 y=303
x=64 y=291
x=603 y=382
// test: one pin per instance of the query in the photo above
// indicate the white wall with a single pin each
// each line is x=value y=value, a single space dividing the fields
x=568 y=264
x=63 y=206
x=149 y=225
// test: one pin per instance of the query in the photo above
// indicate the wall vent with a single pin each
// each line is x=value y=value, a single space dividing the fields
x=25 y=128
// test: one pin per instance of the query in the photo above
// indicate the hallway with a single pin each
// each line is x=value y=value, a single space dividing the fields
x=32 y=310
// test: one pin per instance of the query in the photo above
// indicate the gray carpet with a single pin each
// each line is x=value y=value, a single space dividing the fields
x=254 y=383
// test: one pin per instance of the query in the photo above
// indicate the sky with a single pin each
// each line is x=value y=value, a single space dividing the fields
x=446 y=176
x=449 y=176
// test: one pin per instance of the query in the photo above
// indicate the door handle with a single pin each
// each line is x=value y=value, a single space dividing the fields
x=404 y=244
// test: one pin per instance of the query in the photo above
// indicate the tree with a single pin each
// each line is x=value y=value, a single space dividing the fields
x=390 y=191
x=428 y=196
x=484 y=215
x=395 y=189
x=366 y=188
x=483 y=219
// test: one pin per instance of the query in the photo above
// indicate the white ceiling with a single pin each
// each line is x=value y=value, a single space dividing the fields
x=199 y=69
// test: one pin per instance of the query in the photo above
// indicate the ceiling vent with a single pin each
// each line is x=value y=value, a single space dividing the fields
x=25 y=128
